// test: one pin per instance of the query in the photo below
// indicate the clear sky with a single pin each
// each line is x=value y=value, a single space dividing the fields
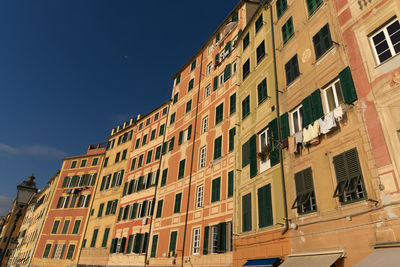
x=71 y=70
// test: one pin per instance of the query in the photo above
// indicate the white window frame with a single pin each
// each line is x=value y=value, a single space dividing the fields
x=203 y=157
x=214 y=239
x=85 y=200
x=131 y=211
x=209 y=68
x=383 y=29
x=199 y=196
x=145 y=178
x=196 y=241
x=135 y=186
x=140 y=210
x=153 y=178
x=91 y=179
x=207 y=91
x=263 y=138
x=299 y=119
x=221 y=79
x=150 y=207
x=64 y=205
x=334 y=86
x=204 y=124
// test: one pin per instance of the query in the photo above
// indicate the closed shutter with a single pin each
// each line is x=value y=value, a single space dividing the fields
x=123 y=243
x=189 y=134
x=136 y=245
x=265 y=217
x=145 y=242
x=134 y=210
x=177 y=207
x=121 y=177
x=94 y=237
x=215 y=85
x=262 y=91
x=227 y=72
x=140 y=183
x=102 y=183
x=216 y=189
x=232 y=104
x=180 y=137
x=108 y=208
x=181 y=173
x=347 y=84
x=144 y=208
x=230 y=183
x=232 y=133
x=154 y=246
x=205 y=242
x=307 y=111
x=65 y=182
x=129 y=247
x=246 y=213
x=253 y=156
x=113 y=179
x=130 y=188
x=158 y=153
x=125 y=188
x=172 y=243
x=285 y=125
x=159 y=208
x=217 y=147
x=105 y=237
x=164 y=148
x=120 y=214
x=316 y=103
x=164 y=177
x=245 y=154
x=222 y=237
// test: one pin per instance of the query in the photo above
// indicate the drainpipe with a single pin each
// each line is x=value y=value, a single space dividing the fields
x=278 y=118
x=155 y=190
x=191 y=160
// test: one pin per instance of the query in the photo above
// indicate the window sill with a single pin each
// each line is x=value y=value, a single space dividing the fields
x=387 y=60
x=316 y=10
x=325 y=54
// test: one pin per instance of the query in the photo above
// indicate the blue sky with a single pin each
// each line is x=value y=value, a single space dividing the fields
x=71 y=70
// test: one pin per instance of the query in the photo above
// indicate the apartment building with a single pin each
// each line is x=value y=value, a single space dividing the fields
x=32 y=224
x=193 y=222
x=260 y=214
x=130 y=239
x=104 y=209
x=371 y=36
x=61 y=238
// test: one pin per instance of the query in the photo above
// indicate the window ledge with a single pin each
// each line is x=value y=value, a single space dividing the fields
x=387 y=60
x=325 y=55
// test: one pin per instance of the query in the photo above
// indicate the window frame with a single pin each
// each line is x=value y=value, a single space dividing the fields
x=203 y=157
x=199 y=196
x=383 y=29
x=204 y=124
x=196 y=241
x=298 y=109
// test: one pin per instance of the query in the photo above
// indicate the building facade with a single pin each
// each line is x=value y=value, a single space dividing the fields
x=61 y=238
x=104 y=209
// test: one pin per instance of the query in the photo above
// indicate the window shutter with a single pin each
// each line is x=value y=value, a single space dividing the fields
x=172 y=243
x=159 y=208
x=164 y=148
x=341 y=171
x=136 y=245
x=177 y=207
x=246 y=213
x=164 y=177
x=180 y=137
x=134 y=210
x=245 y=154
x=307 y=111
x=65 y=182
x=215 y=86
x=273 y=126
x=108 y=208
x=144 y=207
x=264 y=206
x=113 y=179
x=285 y=125
x=123 y=243
x=125 y=187
x=230 y=183
x=222 y=237
x=154 y=246
x=347 y=84
x=181 y=173
x=232 y=133
x=112 y=248
x=100 y=212
x=308 y=180
x=189 y=132
x=274 y=157
x=129 y=247
x=253 y=156
x=228 y=47
x=102 y=183
x=217 y=147
x=316 y=105
x=227 y=72
x=205 y=242
x=120 y=214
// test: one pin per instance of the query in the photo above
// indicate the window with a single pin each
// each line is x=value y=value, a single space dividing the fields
x=260 y=51
x=124 y=154
x=73 y=164
x=217 y=147
x=55 y=227
x=246 y=213
x=158 y=153
x=140 y=161
x=292 y=70
x=191 y=84
x=154 y=246
x=175 y=98
x=172 y=244
x=259 y=23
x=133 y=164
x=161 y=131
x=204 y=124
x=264 y=150
x=322 y=41
x=246 y=41
x=312 y=6
x=177 y=206
x=149 y=156
x=153 y=134
x=232 y=104
x=164 y=177
x=65 y=227
x=386 y=41
x=95 y=161
x=221 y=79
x=47 y=251
x=148 y=121
x=178 y=79
x=305 y=197
x=105 y=162
x=281 y=6
x=171 y=143
x=199 y=196
x=196 y=241
x=137 y=143
x=70 y=252
x=144 y=141
x=58 y=251
x=77 y=224
x=350 y=183
x=117 y=157
x=246 y=69
x=203 y=157
x=265 y=217
x=193 y=66
x=296 y=120
x=83 y=163
x=172 y=119
x=216 y=189
x=219 y=113
x=287 y=30
x=230 y=184
x=141 y=126
x=232 y=133
x=165 y=110
x=209 y=68
x=189 y=106
x=207 y=91
x=262 y=91
x=332 y=96
x=156 y=116
x=181 y=172
x=245 y=107
x=159 y=208
x=105 y=237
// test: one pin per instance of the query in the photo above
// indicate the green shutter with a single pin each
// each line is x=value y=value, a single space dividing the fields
x=230 y=183
x=215 y=86
x=113 y=245
x=227 y=72
x=164 y=177
x=164 y=148
x=105 y=237
x=172 y=243
x=232 y=104
x=158 y=153
x=103 y=183
x=181 y=173
x=125 y=187
x=65 y=182
x=94 y=237
x=347 y=84
x=100 y=212
x=232 y=133
x=222 y=237
x=217 y=147
x=285 y=125
x=120 y=214
x=216 y=189
x=108 y=207
x=129 y=247
x=246 y=213
x=245 y=154
x=274 y=157
x=134 y=210
x=180 y=137
x=316 y=103
x=265 y=217
x=159 y=208
x=262 y=91
x=253 y=156
x=189 y=134
x=55 y=227
x=136 y=245
x=307 y=111
x=205 y=242
x=154 y=246
x=177 y=207
x=228 y=47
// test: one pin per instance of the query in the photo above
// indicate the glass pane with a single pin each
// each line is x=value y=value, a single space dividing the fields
x=378 y=38
x=295 y=122
x=330 y=98
x=381 y=47
x=384 y=56
x=263 y=141
x=339 y=95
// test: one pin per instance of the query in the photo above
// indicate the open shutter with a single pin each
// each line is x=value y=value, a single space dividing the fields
x=205 y=242
x=285 y=125
x=273 y=126
x=222 y=237
x=253 y=156
x=103 y=183
x=215 y=86
x=316 y=103
x=347 y=84
x=268 y=205
x=134 y=210
x=136 y=245
x=123 y=243
x=261 y=208
x=172 y=243
x=129 y=247
x=307 y=111
x=227 y=72
x=245 y=154
x=274 y=157
x=125 y=187
x=112 y=248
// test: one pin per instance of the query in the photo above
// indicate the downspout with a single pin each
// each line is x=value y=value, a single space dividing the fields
x=191 y=161
x=278 y=118
x=155 y=190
